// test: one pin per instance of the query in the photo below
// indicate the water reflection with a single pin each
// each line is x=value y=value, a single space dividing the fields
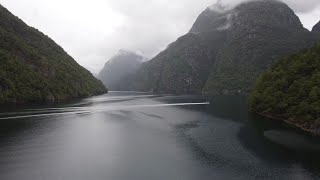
x=142 y=136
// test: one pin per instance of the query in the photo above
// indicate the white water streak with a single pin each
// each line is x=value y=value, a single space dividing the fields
x=81 y=110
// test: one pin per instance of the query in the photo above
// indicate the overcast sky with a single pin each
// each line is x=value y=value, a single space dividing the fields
x=92 y=31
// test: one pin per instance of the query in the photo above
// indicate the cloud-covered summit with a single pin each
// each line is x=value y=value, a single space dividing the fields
x=299 y=6
x=93 y=30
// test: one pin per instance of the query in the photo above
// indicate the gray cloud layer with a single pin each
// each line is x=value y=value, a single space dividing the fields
x=299 y=6
x=93 y=30
x=302 y=6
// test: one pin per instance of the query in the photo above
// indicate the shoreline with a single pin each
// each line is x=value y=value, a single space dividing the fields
x=47 y=101
x=313 y=132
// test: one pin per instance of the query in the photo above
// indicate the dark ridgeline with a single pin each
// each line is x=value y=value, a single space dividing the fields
x=316 y=28
x=123 y=64
x=34 y=68
x=225 y=50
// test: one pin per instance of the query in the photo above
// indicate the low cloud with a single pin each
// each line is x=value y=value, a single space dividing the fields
x=92 y=31
x=303 y=6
x=299 y=6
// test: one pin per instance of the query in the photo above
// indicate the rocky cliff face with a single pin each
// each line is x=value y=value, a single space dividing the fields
x=34 y=68
x=259 y=33
x=225 y=50
x=124 y=63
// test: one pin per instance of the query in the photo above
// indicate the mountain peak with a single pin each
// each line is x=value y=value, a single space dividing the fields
x=124 y=52
x=124 y=63
x=267 y=13
x=226 y=50
x=218 y=7
x=126 y=55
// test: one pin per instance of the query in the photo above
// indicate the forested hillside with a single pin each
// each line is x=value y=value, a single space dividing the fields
x=225 y=50
x=290 y=90
x=34 y=68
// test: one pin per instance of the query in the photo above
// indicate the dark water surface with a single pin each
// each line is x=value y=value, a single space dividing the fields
x=131 y=136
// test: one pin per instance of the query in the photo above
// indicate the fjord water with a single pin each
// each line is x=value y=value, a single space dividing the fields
x=136 y=136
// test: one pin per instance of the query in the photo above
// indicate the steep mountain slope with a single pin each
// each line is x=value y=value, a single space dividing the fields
x=183 y=67
x=34 y=68
x=124 y=63
x=290 y=90
x=316 y=28
x=260 y=32
x=225 y=50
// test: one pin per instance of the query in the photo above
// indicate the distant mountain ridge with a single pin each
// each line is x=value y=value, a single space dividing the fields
x=34 y=68
x=225 y=50
x=122 y=64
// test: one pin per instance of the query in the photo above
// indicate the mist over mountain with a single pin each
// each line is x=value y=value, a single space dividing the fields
x=34 y=68
x=124 y=63
x=296 y=5
x=260 y=33
x=253 y=13
x=225 y=50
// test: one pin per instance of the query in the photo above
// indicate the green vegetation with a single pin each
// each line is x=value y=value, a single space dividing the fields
x=34 y=68
x=225 y=51
x=256 y=40
x=244 y=59
x=291 y=90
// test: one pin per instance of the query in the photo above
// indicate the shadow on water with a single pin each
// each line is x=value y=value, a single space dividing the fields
x=250 y=134
x=272 y=153
x=231 y=108
x=216 y=160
